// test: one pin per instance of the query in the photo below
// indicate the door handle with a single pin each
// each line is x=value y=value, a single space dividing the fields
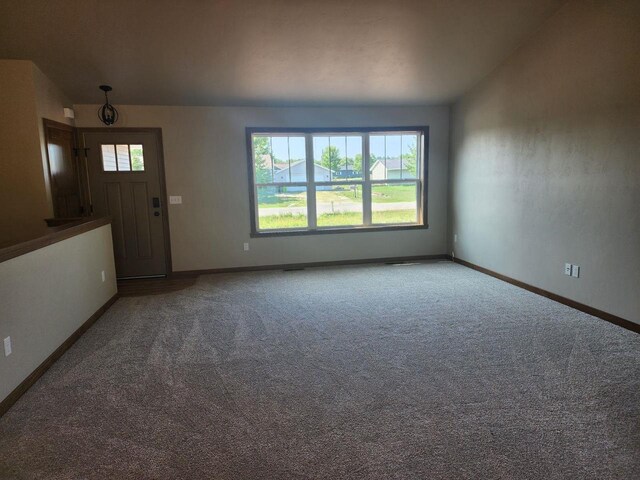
x=156 y=214
x=156 y=202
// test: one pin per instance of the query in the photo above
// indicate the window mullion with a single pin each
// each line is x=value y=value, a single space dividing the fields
x=311 y=187
x=366 y=186
x=130 y=158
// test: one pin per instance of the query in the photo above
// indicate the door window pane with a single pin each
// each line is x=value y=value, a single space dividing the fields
x=109 y=158
x=339 y=205
x=393 y=203
x=137 y=158
x=123 y=158
x=282 y=207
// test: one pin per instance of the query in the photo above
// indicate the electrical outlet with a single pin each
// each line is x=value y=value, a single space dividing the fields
x=7 y=346
x=575 y=271
x=175 y=199
x=104 y=276
x=567 y=269
x=246 y=246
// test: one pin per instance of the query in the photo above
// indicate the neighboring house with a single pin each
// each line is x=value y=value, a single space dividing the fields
x=268 y=163
x=391 y=169
x=297 y=173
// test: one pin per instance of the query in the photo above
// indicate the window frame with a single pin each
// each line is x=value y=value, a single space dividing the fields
x=366 y=182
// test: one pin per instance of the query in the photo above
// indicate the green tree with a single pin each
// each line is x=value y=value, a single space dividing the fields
x=137 y=160
x=330 y=158
x=410 y=158
x=357 y=162
x=262 y=151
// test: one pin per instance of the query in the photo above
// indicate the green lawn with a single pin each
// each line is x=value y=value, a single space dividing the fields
x=339 y=196
x=339 y=219
x=287 y=220
x=394 y=216
x=393 y=193
x=380 y=194
x=280 y=200
x=336 y=219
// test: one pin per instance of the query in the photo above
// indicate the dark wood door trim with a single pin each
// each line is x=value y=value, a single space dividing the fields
x=82 y=178
x=157 y=133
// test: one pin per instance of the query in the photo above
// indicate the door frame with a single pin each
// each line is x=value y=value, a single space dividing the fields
x=82 y=179
x=157 y=133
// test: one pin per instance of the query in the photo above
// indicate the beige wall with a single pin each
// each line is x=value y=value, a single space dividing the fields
x=206 y=163
x=546 y=160
x=39 y=312
x=26 y=96
x=23 y=198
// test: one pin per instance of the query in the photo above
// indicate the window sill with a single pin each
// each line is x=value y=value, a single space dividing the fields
x=325 y=231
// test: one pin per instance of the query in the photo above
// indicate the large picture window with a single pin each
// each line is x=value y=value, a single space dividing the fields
x=320 y=180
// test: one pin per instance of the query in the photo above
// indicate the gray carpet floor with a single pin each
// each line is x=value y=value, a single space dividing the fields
x=427 y=371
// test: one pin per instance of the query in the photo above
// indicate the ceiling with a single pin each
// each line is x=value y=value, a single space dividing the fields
x=268 y=52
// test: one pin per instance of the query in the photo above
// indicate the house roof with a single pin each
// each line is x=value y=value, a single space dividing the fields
x=294 y=164
x=268 y=163
x=390 y=164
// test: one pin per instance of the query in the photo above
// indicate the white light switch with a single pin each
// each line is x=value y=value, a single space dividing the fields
x=104 y=276
x=7 y=346
x=575 y=271
x=175 y=199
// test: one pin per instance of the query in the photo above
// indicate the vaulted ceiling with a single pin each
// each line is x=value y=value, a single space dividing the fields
x=268 y=52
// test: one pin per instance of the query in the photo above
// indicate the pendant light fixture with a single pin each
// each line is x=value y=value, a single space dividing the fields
x=107 y=113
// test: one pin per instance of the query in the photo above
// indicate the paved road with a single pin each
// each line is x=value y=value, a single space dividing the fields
x=337 y=207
